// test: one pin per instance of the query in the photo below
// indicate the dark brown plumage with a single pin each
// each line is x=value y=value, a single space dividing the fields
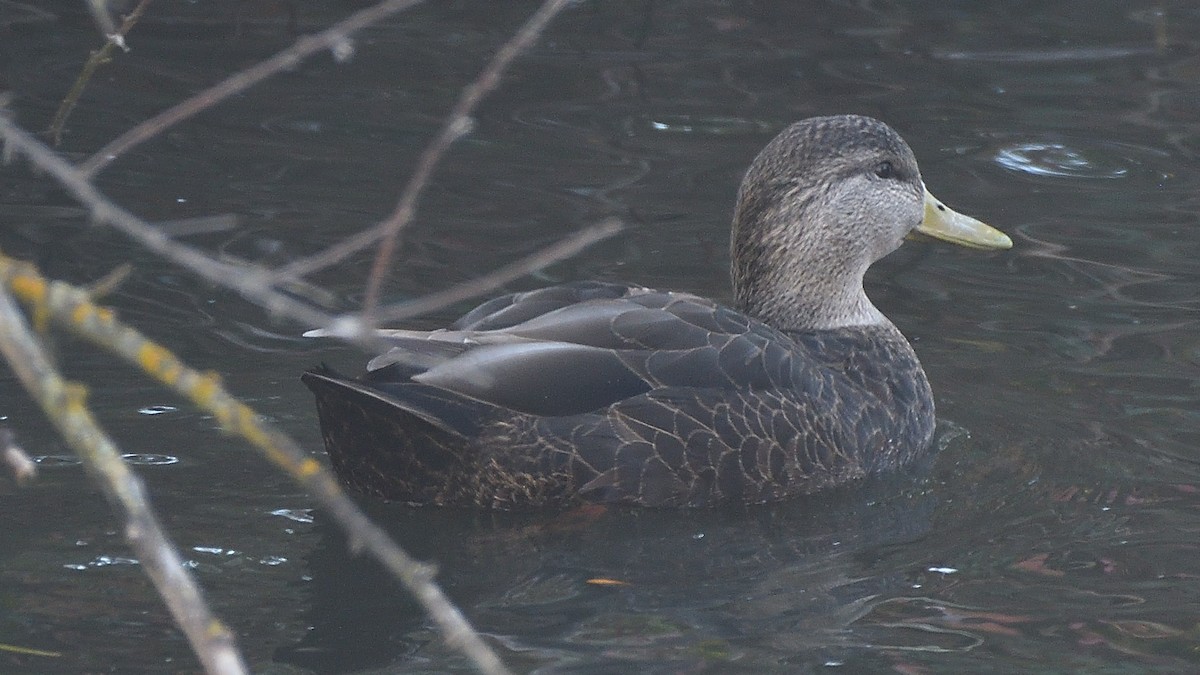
x=607 y=393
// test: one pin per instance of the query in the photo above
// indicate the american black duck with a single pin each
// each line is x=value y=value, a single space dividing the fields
x=602 y=392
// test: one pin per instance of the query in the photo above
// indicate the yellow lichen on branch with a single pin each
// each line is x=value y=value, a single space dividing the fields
x=73 y=307
x=65 y=403
x=28 y=651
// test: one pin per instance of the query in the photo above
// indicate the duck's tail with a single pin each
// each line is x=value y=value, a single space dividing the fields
x=402 y=442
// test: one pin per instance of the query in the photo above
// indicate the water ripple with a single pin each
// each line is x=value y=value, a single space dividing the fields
x=704 y=125
x=1062 y=55
x=1057 y=160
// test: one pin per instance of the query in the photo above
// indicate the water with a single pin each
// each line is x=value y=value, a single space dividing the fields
x=1055 y=531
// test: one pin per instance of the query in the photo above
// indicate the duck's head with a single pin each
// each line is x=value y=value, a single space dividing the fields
x=823 y=201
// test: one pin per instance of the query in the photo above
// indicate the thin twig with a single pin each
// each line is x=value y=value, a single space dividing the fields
x=497 y=278
x=331 y=38
x=100 y=15
x=63 y=403
x=72 y=307
x=75 y=310
x=188 y=227
x=98 y=58
x=251 y=282
x=457 y=124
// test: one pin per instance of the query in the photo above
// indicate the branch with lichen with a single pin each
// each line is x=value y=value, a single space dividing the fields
x=64 y=403
x=73 y=309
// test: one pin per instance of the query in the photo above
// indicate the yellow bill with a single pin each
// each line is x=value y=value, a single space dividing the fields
x=943 y=222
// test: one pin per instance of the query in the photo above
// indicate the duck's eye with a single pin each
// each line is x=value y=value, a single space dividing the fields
x=885 y=169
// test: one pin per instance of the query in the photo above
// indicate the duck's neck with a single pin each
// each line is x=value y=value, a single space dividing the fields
x=798 y=260
x=797 y=278
x=806 y=299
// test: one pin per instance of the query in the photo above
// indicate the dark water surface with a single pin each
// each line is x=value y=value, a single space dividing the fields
x=1057 y=530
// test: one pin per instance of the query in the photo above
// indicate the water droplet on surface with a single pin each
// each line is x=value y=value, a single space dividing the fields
x=342 y=50
x=156 y=409
x=102 y=561
x=214 y=550
x=149 y=459
x=298 y=515
x=51 y=461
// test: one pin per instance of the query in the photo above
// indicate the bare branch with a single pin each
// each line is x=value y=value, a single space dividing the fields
x=333 y=37
x=497 y=278
x=187 y=227
x=251 y=282
x=115 y=38
x=457 y=124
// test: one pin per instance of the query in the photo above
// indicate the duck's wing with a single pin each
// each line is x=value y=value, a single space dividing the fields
x=490 y=323
x=581 y=347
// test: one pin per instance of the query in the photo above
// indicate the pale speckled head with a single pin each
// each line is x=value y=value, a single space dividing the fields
x=825 y=199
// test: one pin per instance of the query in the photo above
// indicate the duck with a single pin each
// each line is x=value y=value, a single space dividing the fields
x=594 y=392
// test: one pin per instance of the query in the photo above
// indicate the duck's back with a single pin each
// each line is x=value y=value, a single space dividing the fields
x=605 y=393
